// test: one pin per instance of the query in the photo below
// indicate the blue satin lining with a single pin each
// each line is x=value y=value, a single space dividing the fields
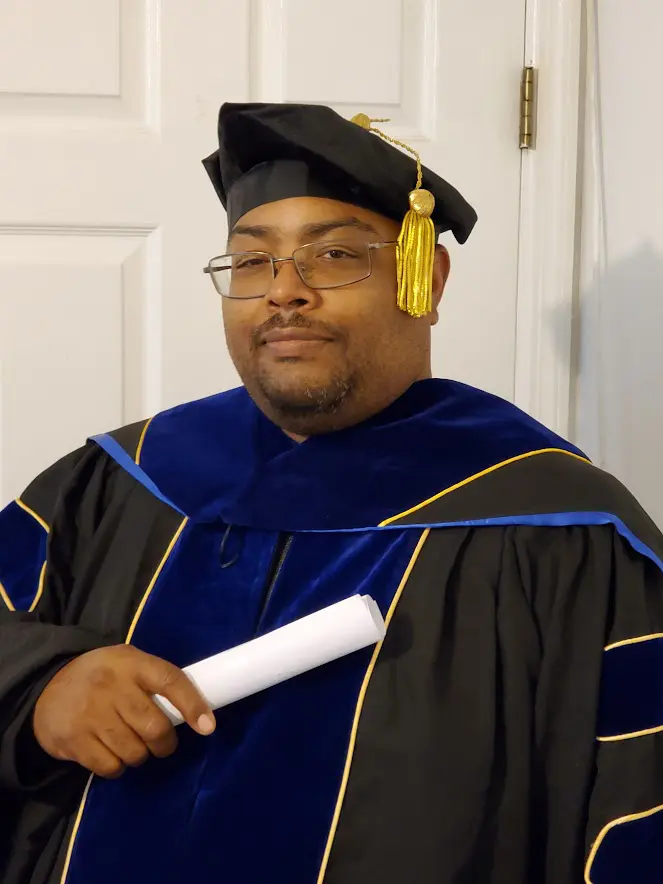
x=120 y=456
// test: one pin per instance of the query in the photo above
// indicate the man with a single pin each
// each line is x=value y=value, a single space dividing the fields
x=510 y=726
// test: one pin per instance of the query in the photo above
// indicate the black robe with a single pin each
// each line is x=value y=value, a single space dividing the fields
x=509 y=729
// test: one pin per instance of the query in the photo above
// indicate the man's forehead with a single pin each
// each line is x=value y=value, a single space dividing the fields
x=304 y=216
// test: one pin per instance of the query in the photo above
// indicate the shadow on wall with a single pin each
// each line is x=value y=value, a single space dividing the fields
x=619 y=374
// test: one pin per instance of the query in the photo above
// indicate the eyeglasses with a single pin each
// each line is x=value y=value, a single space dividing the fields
x=320 y=265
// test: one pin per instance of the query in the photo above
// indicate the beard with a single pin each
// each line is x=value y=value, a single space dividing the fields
x=297 y=403
x=300 y=406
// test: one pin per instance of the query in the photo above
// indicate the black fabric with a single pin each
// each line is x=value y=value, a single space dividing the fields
x=476 y=760
x=272 y=181
x=42 y=494
x=551 y=482
x=342 y=160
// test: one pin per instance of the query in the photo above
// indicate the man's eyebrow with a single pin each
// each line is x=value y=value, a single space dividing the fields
x=309 y=231
x=322 y=228
x=251 y=230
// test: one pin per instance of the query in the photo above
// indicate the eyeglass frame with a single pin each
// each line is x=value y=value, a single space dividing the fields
x=371 y=246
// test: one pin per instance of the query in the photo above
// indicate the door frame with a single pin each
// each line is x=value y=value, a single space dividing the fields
x=549 y=215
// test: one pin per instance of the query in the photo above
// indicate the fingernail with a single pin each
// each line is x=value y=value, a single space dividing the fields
x=206 y=724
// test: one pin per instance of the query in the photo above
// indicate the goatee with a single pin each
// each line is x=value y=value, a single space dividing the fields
x=305 y=402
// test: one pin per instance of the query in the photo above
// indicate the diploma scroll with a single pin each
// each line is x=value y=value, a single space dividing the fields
x=291 y=650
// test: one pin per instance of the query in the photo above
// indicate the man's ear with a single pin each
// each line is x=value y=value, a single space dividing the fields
x=441 y=268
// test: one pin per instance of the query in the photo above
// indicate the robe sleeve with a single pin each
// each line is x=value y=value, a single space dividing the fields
x=598 y=788
x=25 y=528
x=35 y=644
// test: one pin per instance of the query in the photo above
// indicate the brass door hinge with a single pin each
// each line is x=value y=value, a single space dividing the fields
x=528 y=89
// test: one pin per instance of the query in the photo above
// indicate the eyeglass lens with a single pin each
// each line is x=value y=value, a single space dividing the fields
x=320 y=265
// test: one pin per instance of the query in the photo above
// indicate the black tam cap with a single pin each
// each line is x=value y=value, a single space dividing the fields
x=269 y=152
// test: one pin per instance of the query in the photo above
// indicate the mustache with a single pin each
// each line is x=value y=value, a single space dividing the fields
x=292 y=320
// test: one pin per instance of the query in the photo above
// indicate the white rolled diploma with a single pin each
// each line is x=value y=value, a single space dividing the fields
x=291 y=650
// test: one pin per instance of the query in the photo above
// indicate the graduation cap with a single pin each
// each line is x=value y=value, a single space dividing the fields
x=269 y=152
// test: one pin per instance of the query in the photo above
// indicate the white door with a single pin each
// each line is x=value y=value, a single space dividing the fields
x=106 y=215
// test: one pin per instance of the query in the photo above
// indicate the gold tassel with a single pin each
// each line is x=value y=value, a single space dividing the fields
x=415 y=253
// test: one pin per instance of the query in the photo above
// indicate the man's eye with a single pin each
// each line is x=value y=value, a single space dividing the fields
x=250 y=263
x=336 y=254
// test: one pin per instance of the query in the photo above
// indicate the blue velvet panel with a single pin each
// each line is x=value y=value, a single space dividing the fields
x=22 y=555
x=631 y=689
x=221 y=458
x=630 y=853
x=260 y=793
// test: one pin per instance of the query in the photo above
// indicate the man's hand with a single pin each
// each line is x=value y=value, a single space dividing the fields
x=98 y=710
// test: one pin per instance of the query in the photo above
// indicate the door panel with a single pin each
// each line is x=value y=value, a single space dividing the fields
x=107 y=217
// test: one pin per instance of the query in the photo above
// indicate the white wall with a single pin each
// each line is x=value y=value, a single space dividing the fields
x=619 y=402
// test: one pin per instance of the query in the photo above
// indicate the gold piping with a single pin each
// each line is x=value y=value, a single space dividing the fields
x=631 y=736
x=148 y=591
x=650 y=730
x=132 y=629
x=40 y=588
x=4 y=595
x=485 y=472
x=79 y=817
x=604 y=831
x=42 y=575
x=34 y=515
x=634 y=641
x=360 y=704
x=139 y=449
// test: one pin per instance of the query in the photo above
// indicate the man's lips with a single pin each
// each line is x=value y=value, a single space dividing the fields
x=293 y=343
x=287 y=335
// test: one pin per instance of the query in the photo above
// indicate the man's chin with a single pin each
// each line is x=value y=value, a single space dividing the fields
x=304 y=395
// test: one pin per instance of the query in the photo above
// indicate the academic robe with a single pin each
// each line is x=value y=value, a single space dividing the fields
x=509 y=729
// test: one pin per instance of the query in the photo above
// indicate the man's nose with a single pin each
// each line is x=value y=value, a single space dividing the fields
x=287 y=290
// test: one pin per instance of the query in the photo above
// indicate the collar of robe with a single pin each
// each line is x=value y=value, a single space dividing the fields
x=221 y=459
